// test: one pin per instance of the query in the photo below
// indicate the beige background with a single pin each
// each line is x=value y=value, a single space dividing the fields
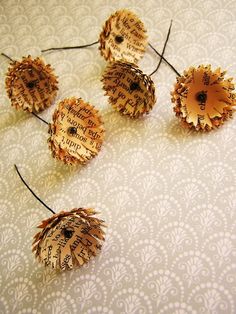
x=168 y=196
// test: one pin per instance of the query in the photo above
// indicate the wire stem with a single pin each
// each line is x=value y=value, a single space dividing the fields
x=6 y=56
x=74 y=47
x=166 y=61
x=39 y=118
x=22 y=179
x=163 y=50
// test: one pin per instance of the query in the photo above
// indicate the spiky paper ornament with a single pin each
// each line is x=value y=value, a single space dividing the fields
x=69 y=239
x=77 y=131
x=123 y=37
x=31 y=84
x=130 y=91
x=203 y=99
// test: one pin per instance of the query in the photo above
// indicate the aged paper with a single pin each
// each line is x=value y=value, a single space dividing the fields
x=69 y=239
x=203 y=98
x=31 y=85
x=123 y=37
x=77 y=131
x=130 y=91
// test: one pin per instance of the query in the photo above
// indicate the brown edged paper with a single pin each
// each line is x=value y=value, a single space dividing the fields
x=77 y=132
x=69 y=239
x=123 y=37
x=130 y=91
x=31 y=84
x=203 y=98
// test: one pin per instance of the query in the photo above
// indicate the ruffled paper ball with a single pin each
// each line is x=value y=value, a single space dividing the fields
x=69 y=239
x=31 y=84
x=123 y=37
x=130 y=91
x=77 y=131
x=203 y=99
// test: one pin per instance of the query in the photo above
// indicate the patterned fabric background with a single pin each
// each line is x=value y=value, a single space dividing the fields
x=167 y=194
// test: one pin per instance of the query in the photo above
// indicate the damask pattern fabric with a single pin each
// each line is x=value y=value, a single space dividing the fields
x=167 y=194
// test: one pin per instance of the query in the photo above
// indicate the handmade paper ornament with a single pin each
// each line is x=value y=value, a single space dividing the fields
x=30 y=84
x=76 y=131
x=130 y=91
x=69 y=238
x=123 y=37
x=203 y=99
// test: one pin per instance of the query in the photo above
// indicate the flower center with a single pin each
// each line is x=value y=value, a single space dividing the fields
x=119 y=39
x=67 y=233
x=134 y=86
x=30 y=84
x=201 y=96
x=72 y=130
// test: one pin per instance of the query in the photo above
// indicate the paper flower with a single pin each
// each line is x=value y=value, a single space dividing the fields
x=123 y=37
x=203 y=98
x=130 y=91
x=30 y=84
x=76 y=133
x=69 y=239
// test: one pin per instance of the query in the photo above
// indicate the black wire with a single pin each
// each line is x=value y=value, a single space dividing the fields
x=6 y=56
x=74 y=47
x=96 y=42
x=163 y=50
x=166 y=61
x=39 y=118
x=22 y=179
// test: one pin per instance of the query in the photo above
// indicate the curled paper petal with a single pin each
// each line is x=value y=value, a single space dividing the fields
x=130 y=91
x=76 y=133
x=31 y=84
x=203 y=98
x=123 y=37
x=69 y=239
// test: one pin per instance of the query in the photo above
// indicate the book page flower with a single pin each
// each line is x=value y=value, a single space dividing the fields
x=123 y=37
x=76 y=133
x=31 y=84
x=69 y=239
x=130 y=91
x=203 y=98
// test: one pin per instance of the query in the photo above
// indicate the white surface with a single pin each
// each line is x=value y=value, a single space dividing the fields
x=169 y=197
